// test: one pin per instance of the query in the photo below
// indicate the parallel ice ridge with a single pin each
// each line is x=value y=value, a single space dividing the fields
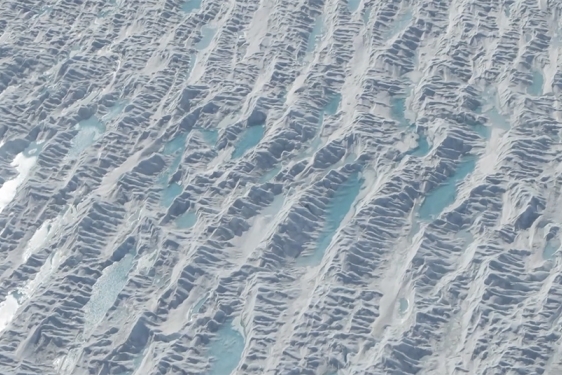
x=280 y=187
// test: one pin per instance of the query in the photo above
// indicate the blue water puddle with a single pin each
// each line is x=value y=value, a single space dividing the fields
x=366 y=15
x=105 y=292
x=187 y=220
x=207 y=34
x=536 y=87
x=444 y=195
x=353 y=5
x=551 y=248
x=497 y=119
x=191 y=5
x=89 y=131
x=249 y=139
x=483 y=131
x=422 y=148
x=403 y=305
x=314 y=35
x=192 y=63
x=400 y=24
x=170 y=193
x=175 y=145
x=337 y=209
x=114 y=111
x=270 y=174
x=331 y=108
x=226 y=349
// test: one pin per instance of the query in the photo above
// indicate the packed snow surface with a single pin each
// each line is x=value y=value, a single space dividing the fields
x=330 y=187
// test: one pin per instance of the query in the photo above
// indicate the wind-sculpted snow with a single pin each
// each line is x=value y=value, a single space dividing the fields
x=280 y=187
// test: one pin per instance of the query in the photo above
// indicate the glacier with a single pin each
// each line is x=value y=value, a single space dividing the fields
x=328 y=187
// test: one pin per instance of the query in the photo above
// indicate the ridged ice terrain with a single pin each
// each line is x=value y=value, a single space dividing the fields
x=280 y=187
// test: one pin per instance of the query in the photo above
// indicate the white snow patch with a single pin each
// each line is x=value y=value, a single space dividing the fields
x=23 y=165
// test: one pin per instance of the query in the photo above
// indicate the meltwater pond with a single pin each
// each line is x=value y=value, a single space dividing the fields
x=89 y=131
x=105 y=292
x=187 y=220
x=331 y=108
x=551 y=248
x=191 y=5
x=497 y=119
x=366 y=15
x=422 y=148
x=353 y=5
x=536 y=87
x=207 y=35
x=175 y=145
x=248 y=139
x=403 y=305
x=170 y=193
x=270 y=174
x=400 y=24
x=227 y=350
x=444 y=195
x=337 y=209
x=314 y=35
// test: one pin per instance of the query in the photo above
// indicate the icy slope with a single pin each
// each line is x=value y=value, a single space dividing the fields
x=280 y=187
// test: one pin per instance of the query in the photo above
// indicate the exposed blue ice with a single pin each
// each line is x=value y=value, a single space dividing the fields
x=226 y=349
x=187 y=220
x=551 y=248
x=441 y=197
x=337 y=209
x=207 y=34
x=536 y=87
x=105 y=292
x=314 y=35
x=170 y=193
x=249 y=139
x=191 y=5
x=353 y=5
x=89 y=131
